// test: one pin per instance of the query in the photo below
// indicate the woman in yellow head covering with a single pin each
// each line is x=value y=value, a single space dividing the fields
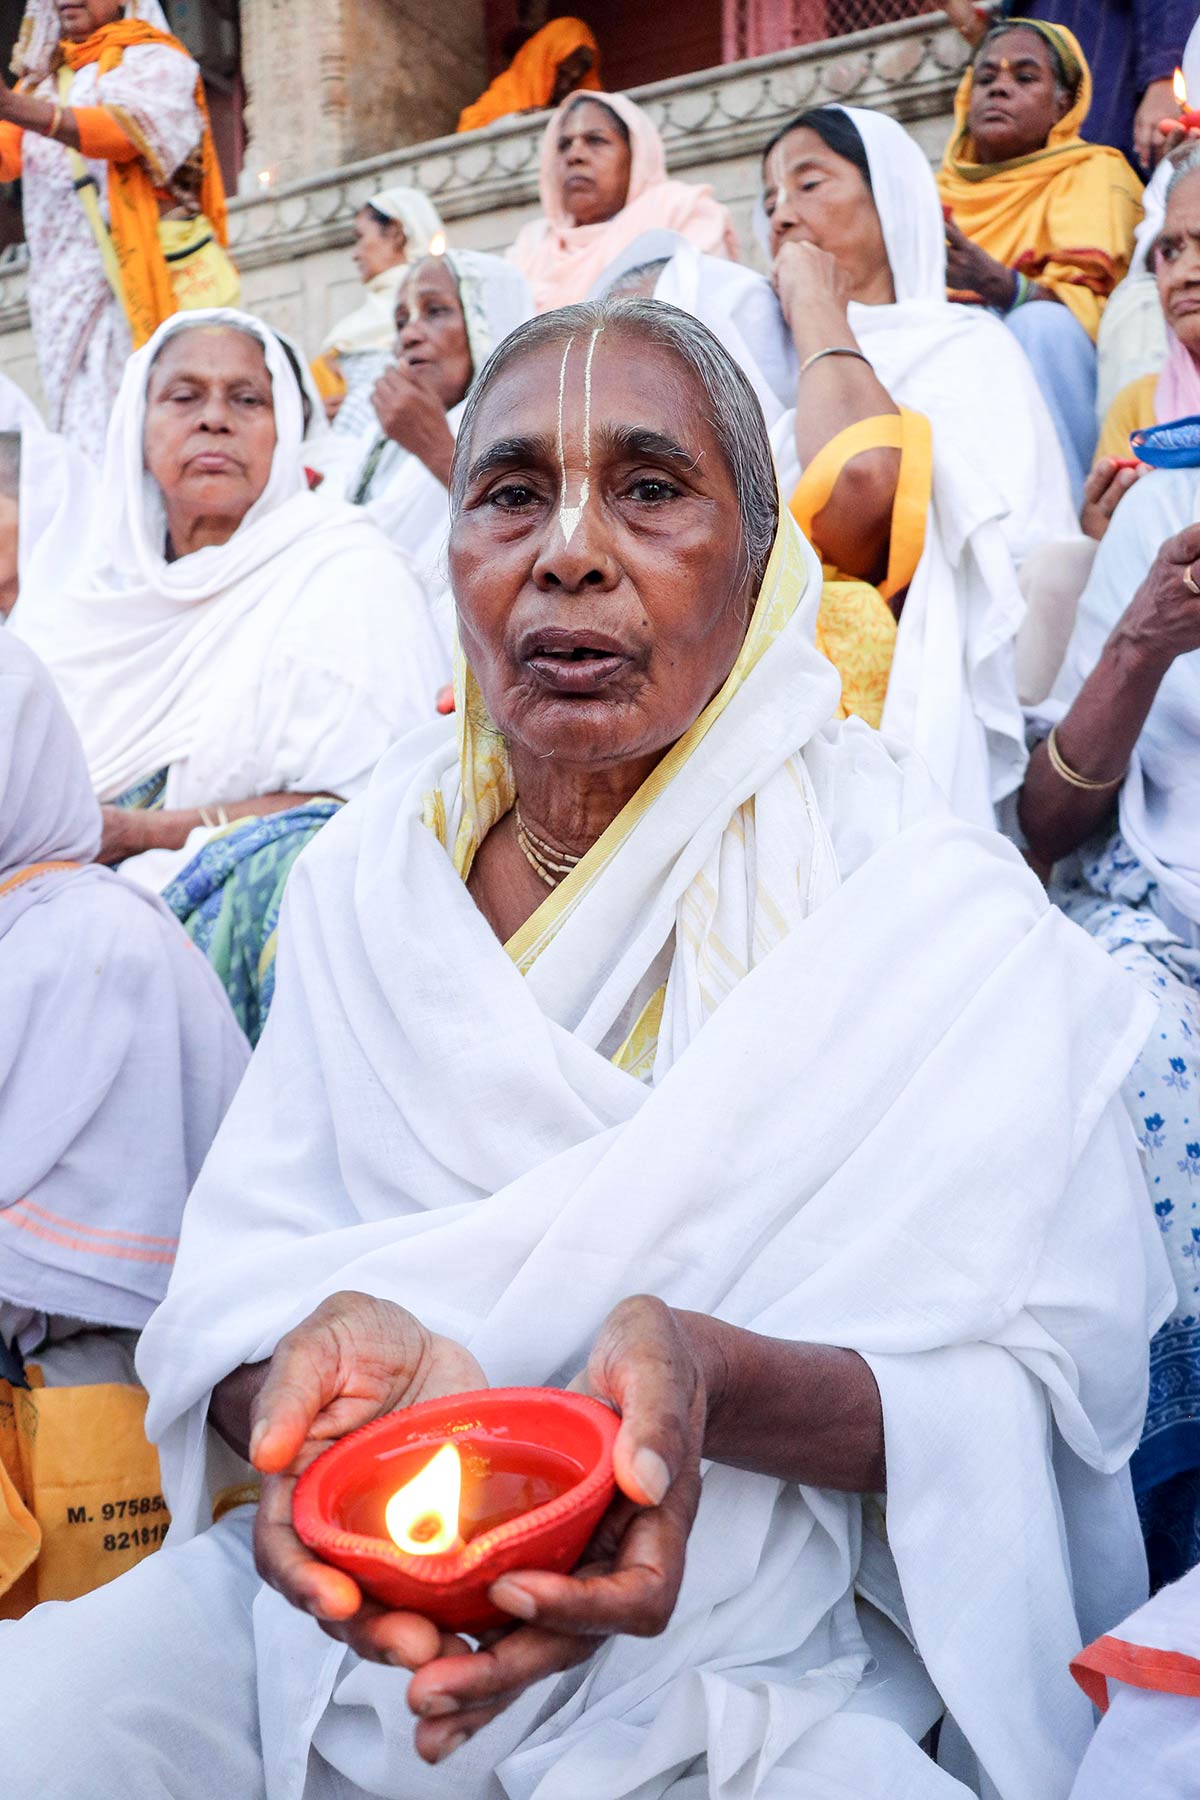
x=557 y=60
x=1035 y=214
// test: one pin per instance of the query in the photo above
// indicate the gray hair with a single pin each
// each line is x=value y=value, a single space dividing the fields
x=733 y=409
x=10 y=464
x=1064 y=87
x=1188 y=164
x=629 y=280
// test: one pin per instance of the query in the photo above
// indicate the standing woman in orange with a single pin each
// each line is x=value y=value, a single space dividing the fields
x=123 y=202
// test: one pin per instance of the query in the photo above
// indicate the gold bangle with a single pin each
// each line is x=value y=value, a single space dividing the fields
x=1068 y=774
x=211 y=823
x=55 y=122
x=832 y=350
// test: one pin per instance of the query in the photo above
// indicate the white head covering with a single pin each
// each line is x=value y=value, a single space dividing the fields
x=114 y=1034
x=405 y=500
x=41 y=33
x=371 y=326
x=999 y=489
x=56 y=498
x=409 y=207
x=134 y=647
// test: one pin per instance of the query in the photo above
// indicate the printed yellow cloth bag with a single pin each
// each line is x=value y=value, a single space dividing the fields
x=80 y=1495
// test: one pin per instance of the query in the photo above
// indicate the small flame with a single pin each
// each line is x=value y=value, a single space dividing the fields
x=422 y=1516
x=1179 y=89
x=437 y=244
x=266 y=178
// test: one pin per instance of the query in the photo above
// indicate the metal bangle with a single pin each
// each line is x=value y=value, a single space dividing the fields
x=1063 y=768
x=55 y=123
x=833 y=350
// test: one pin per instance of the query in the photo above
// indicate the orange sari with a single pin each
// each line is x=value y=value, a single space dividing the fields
x=136 y=187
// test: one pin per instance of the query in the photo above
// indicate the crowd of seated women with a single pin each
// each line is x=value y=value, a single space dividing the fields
x=771 y=999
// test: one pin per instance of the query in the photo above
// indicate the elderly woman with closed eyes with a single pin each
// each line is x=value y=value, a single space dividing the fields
x=626 y=1031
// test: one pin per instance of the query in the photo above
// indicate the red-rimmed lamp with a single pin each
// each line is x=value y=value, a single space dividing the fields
x=426 y=1508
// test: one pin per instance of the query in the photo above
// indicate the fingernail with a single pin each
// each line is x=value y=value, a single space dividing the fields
x=257 y=1436
x=451 y=1745
x=514 y=1599
x=654 y=1477
x=438 y=1706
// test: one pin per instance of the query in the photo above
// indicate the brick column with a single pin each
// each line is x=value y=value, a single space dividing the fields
x=330 y=82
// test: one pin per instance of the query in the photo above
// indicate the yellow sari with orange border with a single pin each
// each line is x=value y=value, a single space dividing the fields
x=1065 y=215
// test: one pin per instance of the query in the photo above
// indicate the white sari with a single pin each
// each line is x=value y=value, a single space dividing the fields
x=118 y=1049
x=860 y=1125
x=999 y=490
x=406 y=501
x=286 y=660
x=56 y=499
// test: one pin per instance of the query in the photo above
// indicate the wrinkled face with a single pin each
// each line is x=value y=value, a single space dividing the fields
x=597 y=558
x=79 y=18
x=210 y=423
x=1177 y=263
x=592 y=163
x=431 y=332
x=377 y=246
x=812 y=196
x=1014 y=101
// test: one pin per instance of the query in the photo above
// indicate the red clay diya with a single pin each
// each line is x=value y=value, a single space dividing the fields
x=426 y=1508
x=1187 y=121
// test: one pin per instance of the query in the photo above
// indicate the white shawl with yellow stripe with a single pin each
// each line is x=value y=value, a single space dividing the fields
x=877 y=1110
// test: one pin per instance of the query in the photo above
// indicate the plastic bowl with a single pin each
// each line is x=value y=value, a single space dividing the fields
x=1175 y=445
x=537 y=1478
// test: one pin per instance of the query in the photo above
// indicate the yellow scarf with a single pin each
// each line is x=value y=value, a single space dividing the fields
x=1064 y=215
x=132 y=190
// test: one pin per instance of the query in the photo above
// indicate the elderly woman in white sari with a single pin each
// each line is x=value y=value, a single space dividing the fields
x=392 y=230
x=451 y=313
x=241 y=649
x=918 y=453
x=118 y=1050
x=652 y=959
x=1112 y=797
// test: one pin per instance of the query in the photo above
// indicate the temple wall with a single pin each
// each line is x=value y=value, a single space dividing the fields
x=290 y=235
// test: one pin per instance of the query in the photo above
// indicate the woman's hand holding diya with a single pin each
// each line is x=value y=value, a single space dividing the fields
x=686 y=1386
x=352 y=1360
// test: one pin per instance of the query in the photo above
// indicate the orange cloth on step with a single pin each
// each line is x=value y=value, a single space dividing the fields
x=529 y=79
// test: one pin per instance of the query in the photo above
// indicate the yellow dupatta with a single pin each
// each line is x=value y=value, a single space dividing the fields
x=489 y=791
x=1064 y=215
x=133 y=187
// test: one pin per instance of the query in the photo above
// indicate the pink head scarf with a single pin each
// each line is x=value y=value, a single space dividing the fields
x=561 y=261
x=1177 y=395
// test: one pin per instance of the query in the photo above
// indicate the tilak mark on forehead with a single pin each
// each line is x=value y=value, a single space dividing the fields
x=569 y=516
